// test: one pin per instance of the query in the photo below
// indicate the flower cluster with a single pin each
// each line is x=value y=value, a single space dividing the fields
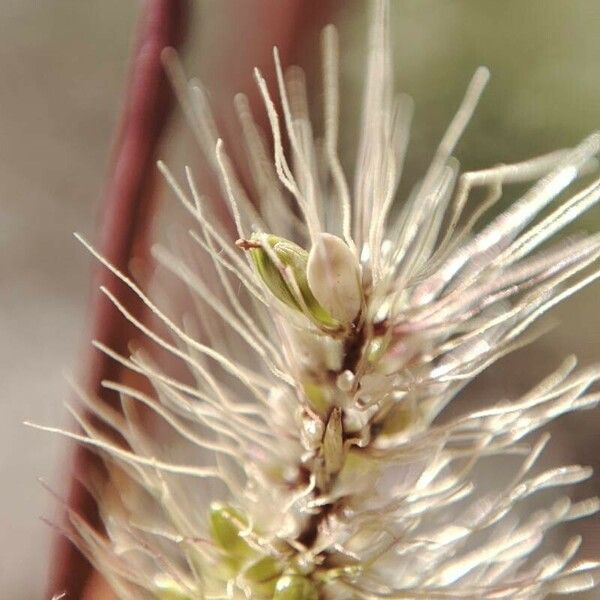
x=306 y=455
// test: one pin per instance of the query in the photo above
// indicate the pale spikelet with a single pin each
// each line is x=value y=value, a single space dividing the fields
x=305 y=457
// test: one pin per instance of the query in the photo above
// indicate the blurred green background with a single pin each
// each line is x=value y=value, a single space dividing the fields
x=544 y=59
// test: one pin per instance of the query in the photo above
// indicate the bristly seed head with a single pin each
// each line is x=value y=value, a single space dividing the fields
x=304 y=459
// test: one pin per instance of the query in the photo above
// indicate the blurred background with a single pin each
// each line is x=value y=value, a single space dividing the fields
x=64 y=67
